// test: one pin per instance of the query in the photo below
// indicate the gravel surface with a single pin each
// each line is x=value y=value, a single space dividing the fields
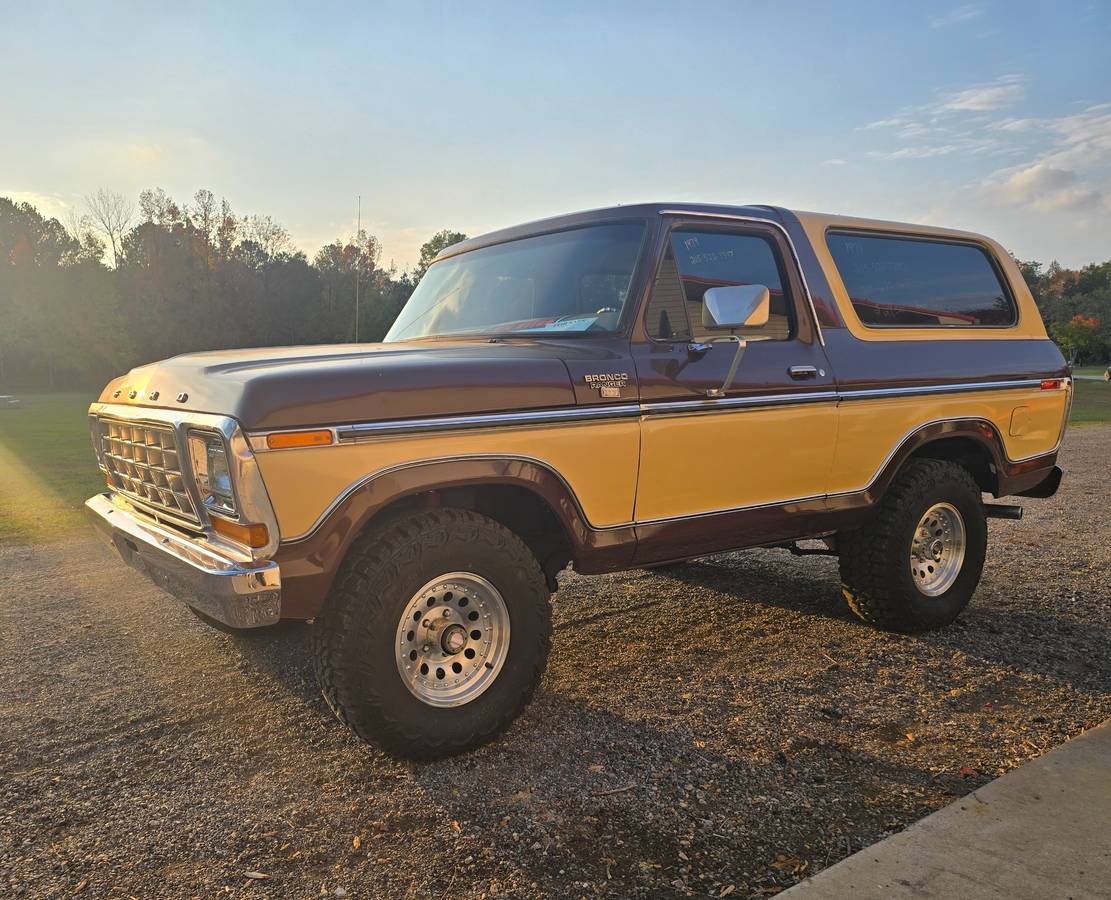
x=722 y=729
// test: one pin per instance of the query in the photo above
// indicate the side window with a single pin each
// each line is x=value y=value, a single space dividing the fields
x=915 y=282
x=698 y=260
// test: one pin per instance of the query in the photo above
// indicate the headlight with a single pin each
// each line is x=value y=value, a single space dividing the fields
x=211 y=471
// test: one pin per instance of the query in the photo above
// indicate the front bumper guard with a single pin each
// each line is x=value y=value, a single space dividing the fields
x=238 y=593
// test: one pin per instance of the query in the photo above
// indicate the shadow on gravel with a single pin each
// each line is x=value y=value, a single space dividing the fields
x=1055 y=647
x=283 y=652
x=760 y=577
x=647 y=809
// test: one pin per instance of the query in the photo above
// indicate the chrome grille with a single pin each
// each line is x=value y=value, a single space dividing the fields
x=144 y=463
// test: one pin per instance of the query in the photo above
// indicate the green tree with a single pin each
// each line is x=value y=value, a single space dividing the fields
x=432 y=247
x=1079 y=339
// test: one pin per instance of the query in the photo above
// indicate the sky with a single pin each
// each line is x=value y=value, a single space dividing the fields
x=989 y=116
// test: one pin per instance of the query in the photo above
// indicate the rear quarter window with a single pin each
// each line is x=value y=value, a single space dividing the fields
x=919 y=283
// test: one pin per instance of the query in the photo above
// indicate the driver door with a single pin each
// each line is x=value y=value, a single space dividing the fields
x=725 y=465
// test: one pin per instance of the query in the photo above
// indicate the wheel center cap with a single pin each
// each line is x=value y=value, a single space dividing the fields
x=453 y=639
x=936 y=549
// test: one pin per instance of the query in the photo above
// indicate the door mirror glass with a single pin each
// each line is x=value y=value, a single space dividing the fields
x=736 y=306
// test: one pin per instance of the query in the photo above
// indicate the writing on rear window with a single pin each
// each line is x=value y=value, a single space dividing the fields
x=915 y=282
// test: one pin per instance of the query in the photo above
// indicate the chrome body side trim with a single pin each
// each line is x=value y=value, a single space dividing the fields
x=356 y=431
x=786 y=235
x=233 y=590
x=253 y=502
x=915 y=390
x=348 y=433
x=681 y=406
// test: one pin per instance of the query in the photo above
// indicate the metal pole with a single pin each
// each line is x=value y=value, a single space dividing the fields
x=358 y=264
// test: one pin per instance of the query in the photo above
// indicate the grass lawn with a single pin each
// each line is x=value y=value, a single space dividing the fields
x=47 y=470
x=1089 y=370
x=1091 y=402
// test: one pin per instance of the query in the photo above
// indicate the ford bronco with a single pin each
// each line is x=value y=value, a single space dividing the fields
x=626 y=387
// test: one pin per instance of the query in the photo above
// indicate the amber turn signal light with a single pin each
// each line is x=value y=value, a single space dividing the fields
x=251 y=535
x=287 y=439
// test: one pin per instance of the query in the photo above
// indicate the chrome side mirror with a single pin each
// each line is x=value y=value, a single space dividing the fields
x=736 y=306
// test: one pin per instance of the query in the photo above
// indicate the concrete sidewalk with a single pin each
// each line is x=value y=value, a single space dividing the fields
x=1042 y=831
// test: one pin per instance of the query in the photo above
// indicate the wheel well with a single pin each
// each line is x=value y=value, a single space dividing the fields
x=520 y=510
x=969 y=453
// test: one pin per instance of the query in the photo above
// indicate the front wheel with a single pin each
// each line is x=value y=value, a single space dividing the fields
x=435 y=635
x=917 y=564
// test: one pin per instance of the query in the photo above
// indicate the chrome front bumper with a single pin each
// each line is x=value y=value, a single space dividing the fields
x=238 y=593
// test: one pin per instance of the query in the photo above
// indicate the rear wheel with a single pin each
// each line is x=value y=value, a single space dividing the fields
x=917 y=564
x=435 y=635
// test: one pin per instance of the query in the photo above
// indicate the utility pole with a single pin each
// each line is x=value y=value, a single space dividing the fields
x=358 y=264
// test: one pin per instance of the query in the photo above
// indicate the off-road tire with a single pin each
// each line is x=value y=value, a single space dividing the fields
x=353 y=638
x=875 y=560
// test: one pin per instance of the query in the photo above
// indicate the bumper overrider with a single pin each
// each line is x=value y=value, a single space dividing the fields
x=237 y=593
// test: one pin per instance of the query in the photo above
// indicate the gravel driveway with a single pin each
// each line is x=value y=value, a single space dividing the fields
x=723 y=729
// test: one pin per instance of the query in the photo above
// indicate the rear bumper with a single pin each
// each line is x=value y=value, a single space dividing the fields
x=237 y=593
x=1046 y=487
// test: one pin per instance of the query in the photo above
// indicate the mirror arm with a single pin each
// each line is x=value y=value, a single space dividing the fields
x=715 y=393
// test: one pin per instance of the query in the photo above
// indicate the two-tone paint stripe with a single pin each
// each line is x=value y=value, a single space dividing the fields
x=355 y=432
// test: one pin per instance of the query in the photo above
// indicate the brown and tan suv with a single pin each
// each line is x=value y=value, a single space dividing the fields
x=618 y=388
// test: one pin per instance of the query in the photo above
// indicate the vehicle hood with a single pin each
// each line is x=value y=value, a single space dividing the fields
x=287 y=387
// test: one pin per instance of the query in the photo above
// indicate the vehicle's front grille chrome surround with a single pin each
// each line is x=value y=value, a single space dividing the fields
x=143 y=461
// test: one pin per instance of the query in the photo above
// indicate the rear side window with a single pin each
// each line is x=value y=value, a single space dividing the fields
x=901 y=282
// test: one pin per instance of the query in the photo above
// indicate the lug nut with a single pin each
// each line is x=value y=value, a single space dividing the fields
x=427 y=648
x=447 y=613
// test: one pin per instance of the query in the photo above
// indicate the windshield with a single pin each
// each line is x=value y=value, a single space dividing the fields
x=568 y=282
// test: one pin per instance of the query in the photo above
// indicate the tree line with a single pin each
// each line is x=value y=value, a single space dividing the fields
x=1076 y=307
x=121 y=283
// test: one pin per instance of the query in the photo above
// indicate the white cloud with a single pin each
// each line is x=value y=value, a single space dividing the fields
x=1043 y=188
x=883 y=123
x=53 y=206
x=835 y=162
x=923 y=151
x=1084 y=138
x=940 y=127
x=1059 y=165
x=957 y=16
x=1014 y=125
x=1003 y=91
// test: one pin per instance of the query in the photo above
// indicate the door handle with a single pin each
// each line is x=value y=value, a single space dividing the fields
x=803 y=372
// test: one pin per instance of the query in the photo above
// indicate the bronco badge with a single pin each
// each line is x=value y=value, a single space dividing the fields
x=608 y=384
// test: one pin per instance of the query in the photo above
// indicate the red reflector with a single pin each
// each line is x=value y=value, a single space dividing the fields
x=1051 y=384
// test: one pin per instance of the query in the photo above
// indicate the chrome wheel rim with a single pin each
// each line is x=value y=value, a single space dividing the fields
x=452 y=639
x=937 y=549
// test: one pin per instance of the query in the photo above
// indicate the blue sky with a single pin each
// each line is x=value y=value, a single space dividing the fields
x=990 y=116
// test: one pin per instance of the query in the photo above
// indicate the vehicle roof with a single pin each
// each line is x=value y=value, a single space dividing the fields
x=776 y=214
